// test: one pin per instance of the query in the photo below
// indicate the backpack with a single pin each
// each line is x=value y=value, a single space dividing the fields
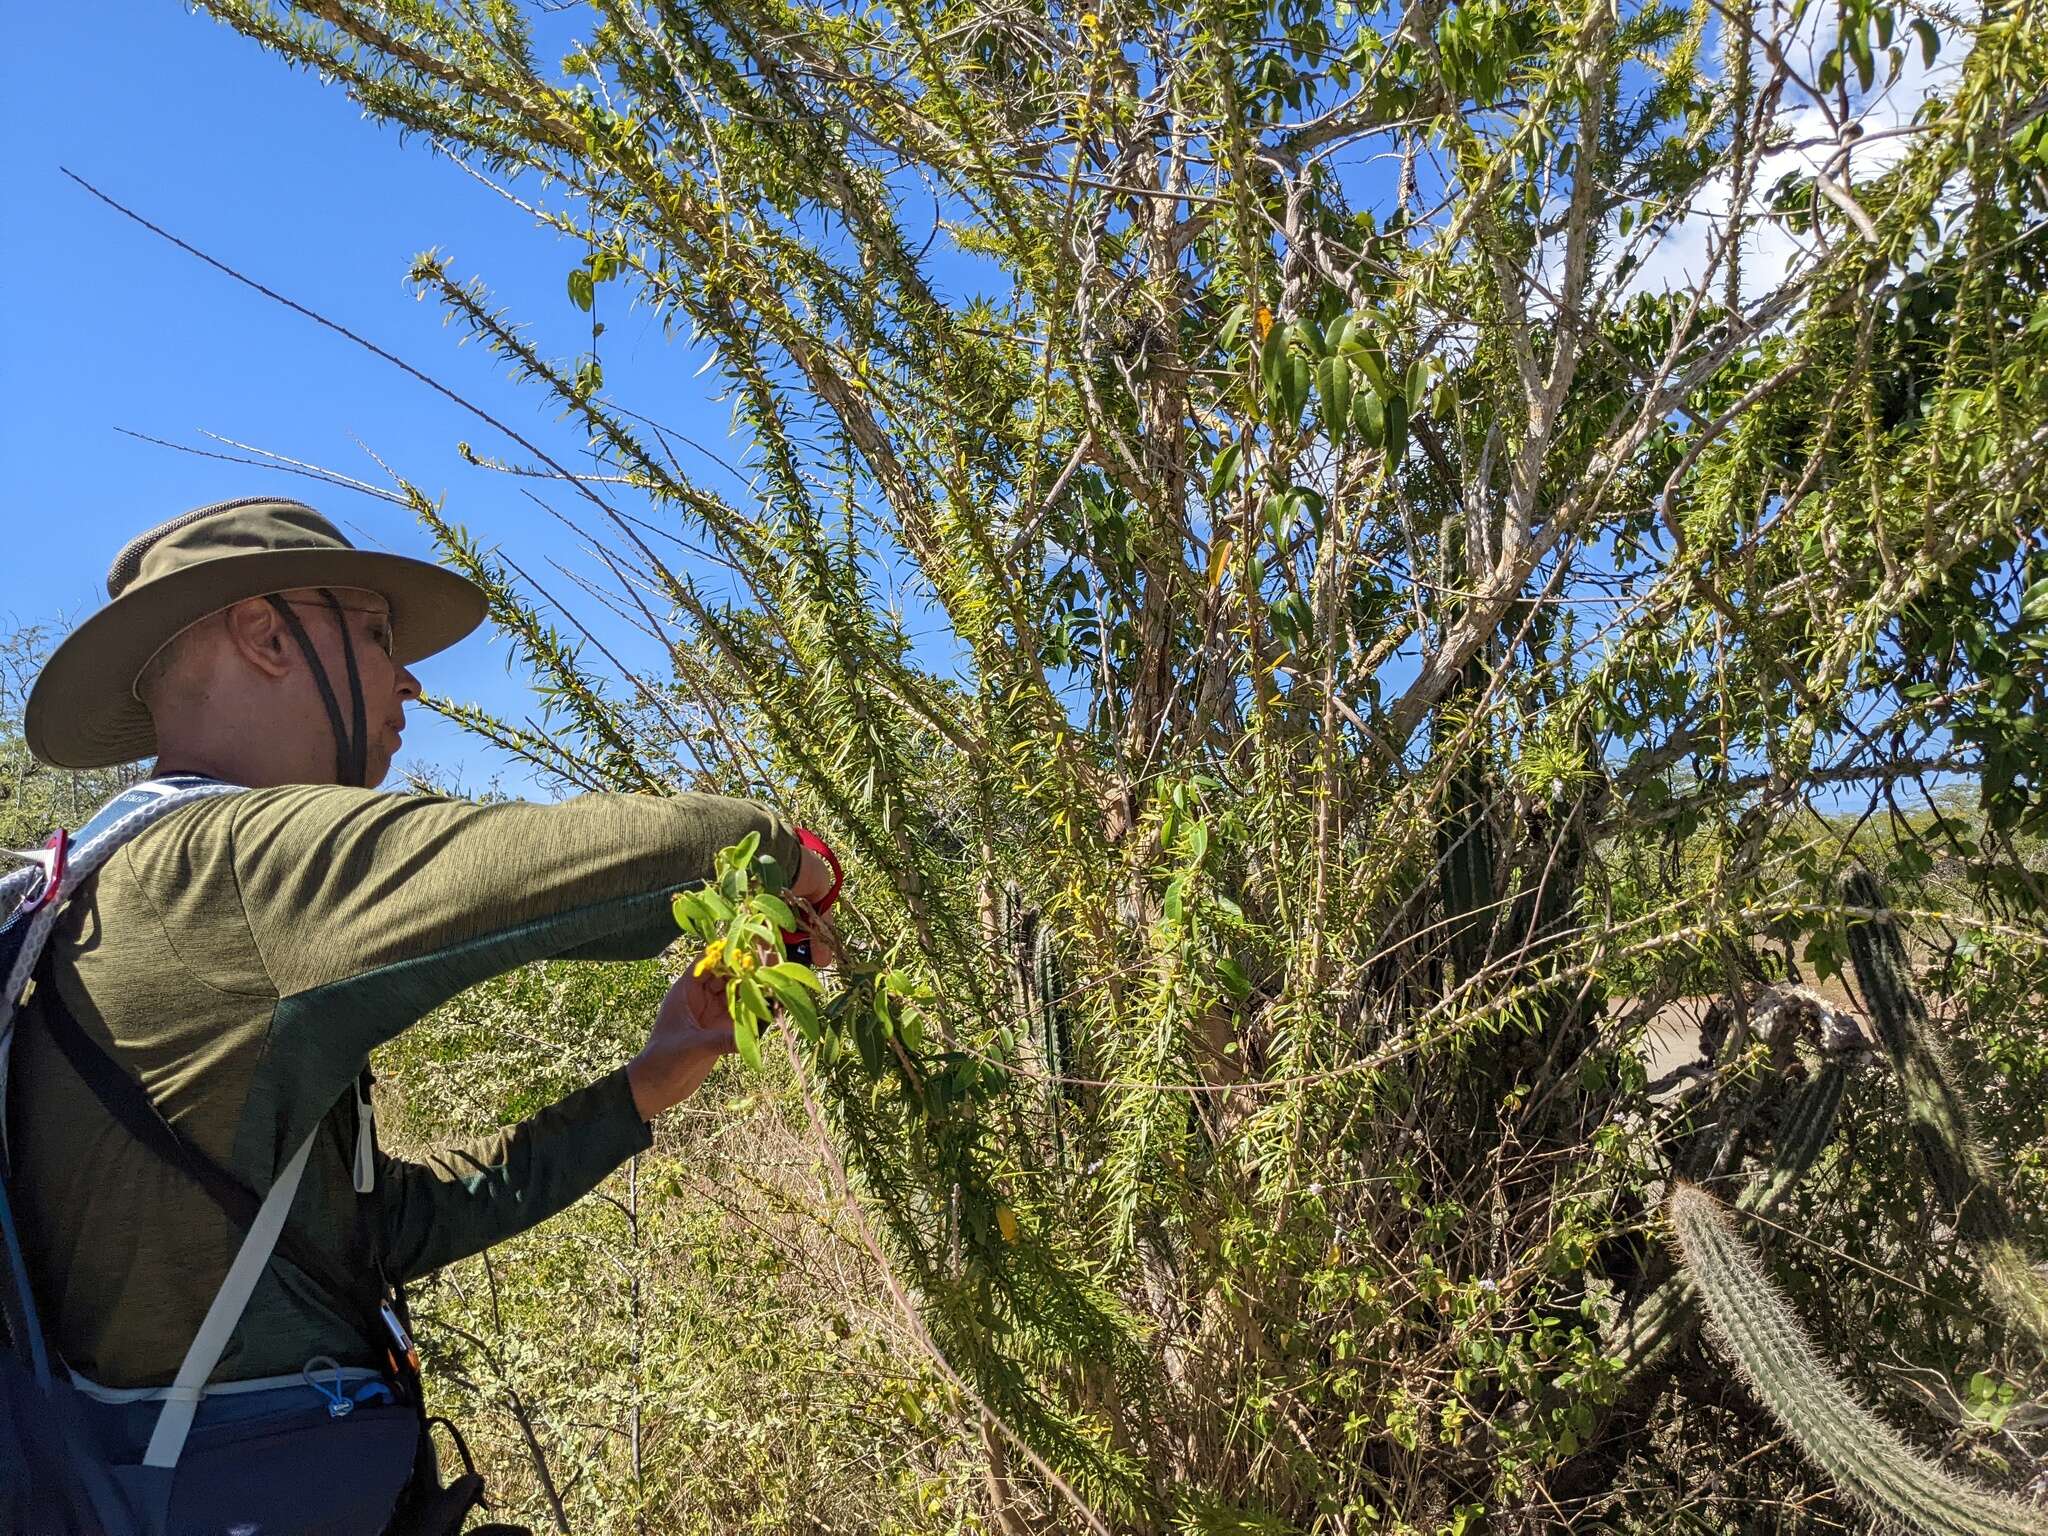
x=58 y=1475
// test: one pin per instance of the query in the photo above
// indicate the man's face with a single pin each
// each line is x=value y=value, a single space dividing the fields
x=386 y=685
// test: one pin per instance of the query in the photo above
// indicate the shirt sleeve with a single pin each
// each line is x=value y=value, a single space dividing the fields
x=463 y=1198
x=369 y=910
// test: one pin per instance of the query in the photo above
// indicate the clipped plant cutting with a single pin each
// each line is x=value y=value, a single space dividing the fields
x=741 y=923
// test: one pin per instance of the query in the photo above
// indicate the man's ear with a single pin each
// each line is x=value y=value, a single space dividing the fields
x=259 y=638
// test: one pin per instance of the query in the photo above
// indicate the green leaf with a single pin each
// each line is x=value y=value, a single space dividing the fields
x=777 y=910
x=910 y=1028
x=1272 y=358
x=795 y=973
x=746 y=1036
x=1374 y=362
x=747 y=1002
x=744 y=850
x=1371 y=413
x=1233 y=322
x=1235 y=982
x=796 y=1001
x=1397 y=428
x=1294 y=387
x=1223 y=469
x=867 y=1037
x=2034 y=606
x=1333 y=379
x=1930 y=40
x=581 y=292
x=1859 y=50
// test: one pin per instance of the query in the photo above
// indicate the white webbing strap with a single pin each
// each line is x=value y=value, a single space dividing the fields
x=366 y=1143
x=181 y=1401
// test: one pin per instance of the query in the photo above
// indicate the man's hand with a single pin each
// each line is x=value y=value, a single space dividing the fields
x=813 y=877
x=692 y=1030
x=813 y=881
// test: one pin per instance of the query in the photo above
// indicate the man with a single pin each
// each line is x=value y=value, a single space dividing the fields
x=242 y=957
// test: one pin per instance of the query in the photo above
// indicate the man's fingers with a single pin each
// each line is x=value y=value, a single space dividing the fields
x=711 y=1012
x=695 y=1003
x=708 y=1008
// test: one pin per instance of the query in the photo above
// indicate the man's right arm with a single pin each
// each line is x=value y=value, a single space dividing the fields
x=370 y=909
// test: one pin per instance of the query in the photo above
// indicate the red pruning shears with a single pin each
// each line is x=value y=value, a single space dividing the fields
x=798 y=945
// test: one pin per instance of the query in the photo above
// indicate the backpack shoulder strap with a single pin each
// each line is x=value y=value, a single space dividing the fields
x=32 y=898
x=128 y=1102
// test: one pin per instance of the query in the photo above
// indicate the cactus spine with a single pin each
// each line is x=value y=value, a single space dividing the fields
x=1941 y=1125
x=1868 y=1459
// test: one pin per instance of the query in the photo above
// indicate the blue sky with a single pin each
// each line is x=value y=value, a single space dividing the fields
x=107 y=327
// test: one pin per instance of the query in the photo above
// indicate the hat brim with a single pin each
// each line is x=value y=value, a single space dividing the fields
x=83 y=713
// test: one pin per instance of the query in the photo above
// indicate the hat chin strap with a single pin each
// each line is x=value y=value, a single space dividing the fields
x=351 y=747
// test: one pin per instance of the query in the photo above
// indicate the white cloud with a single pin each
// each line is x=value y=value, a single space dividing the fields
x=1770 y=251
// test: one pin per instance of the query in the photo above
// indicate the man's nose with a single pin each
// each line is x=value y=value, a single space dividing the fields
x=408 y=685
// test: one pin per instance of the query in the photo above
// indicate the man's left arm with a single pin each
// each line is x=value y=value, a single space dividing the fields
x=460 y=1199
x=465 y=1197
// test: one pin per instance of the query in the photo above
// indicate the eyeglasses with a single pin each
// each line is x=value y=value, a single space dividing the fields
x=381 y=633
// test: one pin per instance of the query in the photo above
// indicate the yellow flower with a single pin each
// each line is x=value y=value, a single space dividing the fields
x=1006 y=1223
x=1262 y=322
x=742 y=962
x=712 y=954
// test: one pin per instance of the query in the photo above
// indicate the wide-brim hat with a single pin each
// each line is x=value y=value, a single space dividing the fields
x=83 y=711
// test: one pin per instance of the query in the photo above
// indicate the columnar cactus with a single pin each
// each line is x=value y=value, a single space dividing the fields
x=1668 y=1314
x=1868 y=1460
x=1037 y=993
x=1465 y=852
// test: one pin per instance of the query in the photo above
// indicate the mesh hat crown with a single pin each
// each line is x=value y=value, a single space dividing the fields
x=83 y=713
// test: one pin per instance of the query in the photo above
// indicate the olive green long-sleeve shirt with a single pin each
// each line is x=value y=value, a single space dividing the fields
x=242 y=957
